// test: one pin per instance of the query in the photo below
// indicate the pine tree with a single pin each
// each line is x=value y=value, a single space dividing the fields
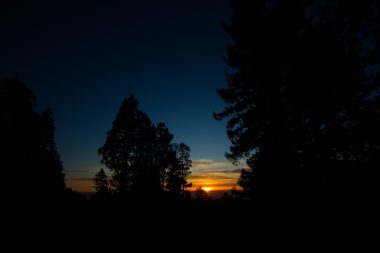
x=127 y=150
x=101 y=183
x=179 y=170
x=301 y=97
x=32 y=166
x=165 y=156
x=142 y=157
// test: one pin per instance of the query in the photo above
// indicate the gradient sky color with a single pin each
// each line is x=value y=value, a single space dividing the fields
x=81 y=58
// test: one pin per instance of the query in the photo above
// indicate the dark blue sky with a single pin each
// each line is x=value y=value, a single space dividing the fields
x=82 y=58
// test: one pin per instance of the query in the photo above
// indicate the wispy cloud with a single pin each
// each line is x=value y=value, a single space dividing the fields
x=216 y=174
x=205 y=164
x=222 y=179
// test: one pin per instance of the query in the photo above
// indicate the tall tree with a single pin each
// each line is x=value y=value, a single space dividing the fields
x=142 y=156
x=28 y=151
x=101 y=183
x=126 y=149
x=179 y=170
x=165 y=155
x=48 y=160
x=299 y=102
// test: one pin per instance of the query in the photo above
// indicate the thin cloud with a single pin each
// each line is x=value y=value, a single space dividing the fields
x=215 y=174
x=205 y=162
x=192 y=176
x=202 y=164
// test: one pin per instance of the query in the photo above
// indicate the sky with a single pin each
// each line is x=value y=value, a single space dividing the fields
x=81 y=58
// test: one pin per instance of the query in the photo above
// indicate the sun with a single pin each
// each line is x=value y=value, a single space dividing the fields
x=207 y=189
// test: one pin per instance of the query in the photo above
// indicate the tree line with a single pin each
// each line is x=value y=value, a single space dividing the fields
x=142 y=157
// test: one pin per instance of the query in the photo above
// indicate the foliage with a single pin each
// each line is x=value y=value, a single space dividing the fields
x=302 y=106
x=141 y=155
x=101 y=182
x=179 y=170
x=246 y=181
x=32 y=166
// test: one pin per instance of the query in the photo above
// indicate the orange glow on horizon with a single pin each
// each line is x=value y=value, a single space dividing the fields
x=215 y=181
x=209 y=184
x=207 y=189
x=216 y=188
x=80 y=185
x=83 y=185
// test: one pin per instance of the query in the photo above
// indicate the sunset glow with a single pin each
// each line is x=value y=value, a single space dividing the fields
x=213 y=175
x=206 y=173
x=207 y=189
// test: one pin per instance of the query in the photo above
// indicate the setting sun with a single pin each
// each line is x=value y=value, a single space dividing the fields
x=207 y=189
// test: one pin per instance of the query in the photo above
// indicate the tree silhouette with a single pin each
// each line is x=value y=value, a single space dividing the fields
x=142 y=157
x=247 y=182
x=126 y=147
x=101 y=183
x=48 y=160
x=180 y=170
x=29 y=154
x=164 y=152
x=301 y=98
